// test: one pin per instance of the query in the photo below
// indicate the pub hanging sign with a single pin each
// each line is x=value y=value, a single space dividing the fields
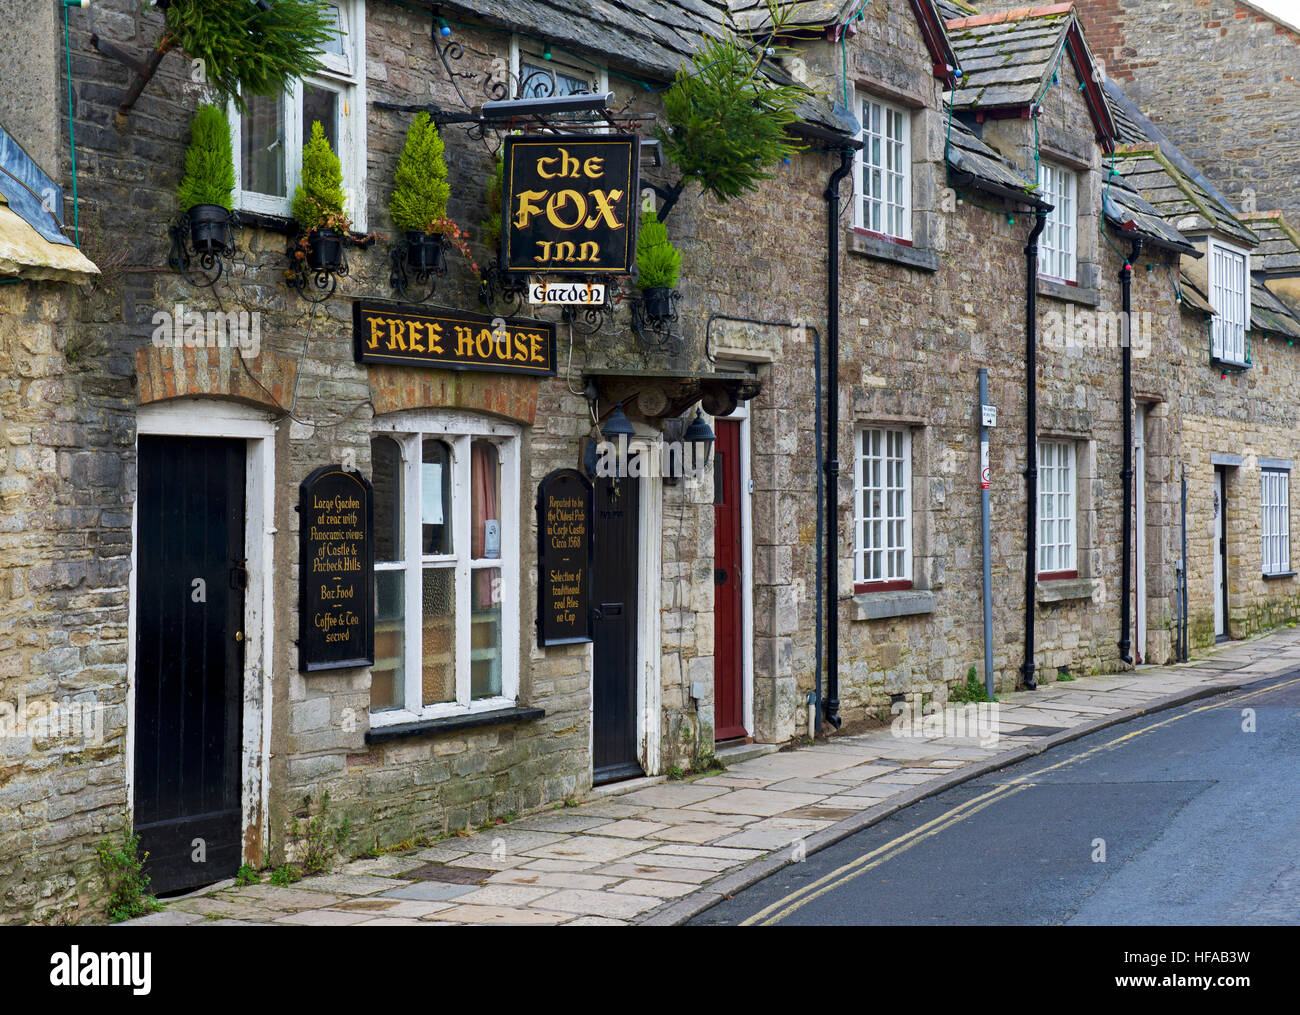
x=336 y=571
x=408 y=334
x=569 y=203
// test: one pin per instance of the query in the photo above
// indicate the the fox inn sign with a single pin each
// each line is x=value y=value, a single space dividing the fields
x=570 y=202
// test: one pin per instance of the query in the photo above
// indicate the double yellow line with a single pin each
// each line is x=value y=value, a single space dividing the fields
x=782 y=908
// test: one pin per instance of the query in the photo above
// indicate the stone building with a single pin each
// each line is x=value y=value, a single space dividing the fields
x=1221 y=79
x=949 y=158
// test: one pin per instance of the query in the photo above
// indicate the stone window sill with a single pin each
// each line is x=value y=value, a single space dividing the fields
x=1067 y=292
x=1066 y=590
x=878 y=248
x=452 y=723
x=1278 y=575
x=883 y=605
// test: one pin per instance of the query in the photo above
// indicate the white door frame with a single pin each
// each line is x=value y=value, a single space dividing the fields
x=741 y=414
x=194 y=417
x=649 y=654
x=649 y=691
x=1220 y=498
x=1140 y=473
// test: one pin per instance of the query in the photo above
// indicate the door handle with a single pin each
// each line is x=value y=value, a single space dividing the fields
x=606 y=610
x=239 y=636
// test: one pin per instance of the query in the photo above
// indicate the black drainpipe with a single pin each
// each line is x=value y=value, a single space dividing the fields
x=1031 y=442
x=831 y=705
x=1126 y=474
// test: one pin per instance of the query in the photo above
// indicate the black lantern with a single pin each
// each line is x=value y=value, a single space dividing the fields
x=699 y=437
x=618 y=425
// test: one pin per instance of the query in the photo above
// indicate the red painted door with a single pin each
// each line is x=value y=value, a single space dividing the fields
x=728 y=627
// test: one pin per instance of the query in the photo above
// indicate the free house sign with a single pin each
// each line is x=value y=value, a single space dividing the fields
x=414 y=335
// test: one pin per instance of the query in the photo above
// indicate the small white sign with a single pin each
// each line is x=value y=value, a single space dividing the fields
x=989 y=415
x=557 y=294
x=492 y=538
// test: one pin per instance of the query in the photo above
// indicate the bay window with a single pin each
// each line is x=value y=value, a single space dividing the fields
x=268 y=139
x=446 y=566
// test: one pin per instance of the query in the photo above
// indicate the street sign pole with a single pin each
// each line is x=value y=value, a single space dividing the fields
x=988 y=418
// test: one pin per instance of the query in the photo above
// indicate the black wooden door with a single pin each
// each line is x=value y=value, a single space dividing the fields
x=189 y=658
x=615 y=588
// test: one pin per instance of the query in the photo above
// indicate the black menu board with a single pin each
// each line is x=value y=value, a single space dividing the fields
x=336 y=571
x=564 y=558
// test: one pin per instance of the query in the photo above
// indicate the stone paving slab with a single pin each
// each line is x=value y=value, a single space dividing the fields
x=659 y=853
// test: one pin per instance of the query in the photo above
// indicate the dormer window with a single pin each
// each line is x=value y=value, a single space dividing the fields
x=1058 y=244
x=1229 y=269
x=883 y=170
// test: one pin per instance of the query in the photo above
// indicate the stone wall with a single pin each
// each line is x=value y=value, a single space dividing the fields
x=1220 y=79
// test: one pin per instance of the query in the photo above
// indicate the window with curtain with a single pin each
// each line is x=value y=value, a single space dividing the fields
x=446 y=566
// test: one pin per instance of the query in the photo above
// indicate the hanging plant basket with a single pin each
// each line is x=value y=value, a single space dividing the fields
x=426 y=252
x=209 y=228
x=324 y=250
x=658 y=302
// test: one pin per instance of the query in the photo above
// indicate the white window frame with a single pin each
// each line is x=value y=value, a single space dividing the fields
x=1275 y=520
x=1058 y=246
x=865 y=163
x=458 y=430
x=1231 y=321
x=863 y=574
x=1056 y=479
x=345 y=75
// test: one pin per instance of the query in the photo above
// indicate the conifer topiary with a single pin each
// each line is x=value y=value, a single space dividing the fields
x=657 y=260
x=209 y=161
x=419 y=201
x=318 y=201
x=725 y=121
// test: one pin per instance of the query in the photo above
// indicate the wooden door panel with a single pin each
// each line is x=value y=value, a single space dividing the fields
x=189 y=663
x=614 y=597
x=728 y=591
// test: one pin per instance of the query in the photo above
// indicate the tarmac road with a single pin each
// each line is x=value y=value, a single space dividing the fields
x=1188 y=816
